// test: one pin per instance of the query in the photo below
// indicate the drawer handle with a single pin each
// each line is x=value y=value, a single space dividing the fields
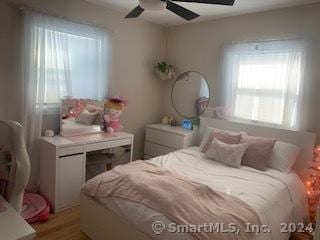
x=70 y=155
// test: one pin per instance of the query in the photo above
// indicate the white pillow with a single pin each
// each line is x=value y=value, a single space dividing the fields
x=283 y=156
x=228 y=154
x=86 y=118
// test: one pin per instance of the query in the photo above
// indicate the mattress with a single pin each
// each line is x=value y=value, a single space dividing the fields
x=277 y=197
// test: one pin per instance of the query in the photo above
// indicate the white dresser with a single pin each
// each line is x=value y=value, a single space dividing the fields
x=162 y=139
x=63 y=164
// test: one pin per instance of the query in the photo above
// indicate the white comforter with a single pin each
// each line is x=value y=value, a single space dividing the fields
x=275 y=196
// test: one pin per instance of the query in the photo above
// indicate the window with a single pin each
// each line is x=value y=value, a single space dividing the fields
x=264 y=81
x=68 y=60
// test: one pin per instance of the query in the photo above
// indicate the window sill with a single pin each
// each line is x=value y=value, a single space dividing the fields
x=258 y=123
x=53 y=109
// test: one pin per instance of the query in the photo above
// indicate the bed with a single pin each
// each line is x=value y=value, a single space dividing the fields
x=275 y=196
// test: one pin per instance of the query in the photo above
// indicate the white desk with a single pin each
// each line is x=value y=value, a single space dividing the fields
x=13 y=226
x=63 y=164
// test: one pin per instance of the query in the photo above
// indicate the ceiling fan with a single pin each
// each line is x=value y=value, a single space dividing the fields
x=175 y=8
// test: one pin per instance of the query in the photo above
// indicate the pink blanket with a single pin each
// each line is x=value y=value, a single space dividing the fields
x=179 y=199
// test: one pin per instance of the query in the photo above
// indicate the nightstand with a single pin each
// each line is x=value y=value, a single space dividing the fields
x=162 y=139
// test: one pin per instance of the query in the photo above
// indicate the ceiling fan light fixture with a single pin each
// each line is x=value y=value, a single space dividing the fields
x=157 y=5
x=153 y=5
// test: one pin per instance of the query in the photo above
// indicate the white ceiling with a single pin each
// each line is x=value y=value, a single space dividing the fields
x=207 y=11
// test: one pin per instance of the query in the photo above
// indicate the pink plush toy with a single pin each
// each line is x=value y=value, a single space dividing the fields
x=113 y=108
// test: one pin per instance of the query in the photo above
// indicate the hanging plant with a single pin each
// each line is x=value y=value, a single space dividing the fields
x=165 y=71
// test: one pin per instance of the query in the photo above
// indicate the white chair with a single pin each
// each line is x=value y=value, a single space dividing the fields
x=20 y=165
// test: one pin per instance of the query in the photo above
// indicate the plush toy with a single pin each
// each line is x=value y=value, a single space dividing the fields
x=113 y=108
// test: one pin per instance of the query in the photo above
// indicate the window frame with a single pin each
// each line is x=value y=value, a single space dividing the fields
x=230 y=53
x=54 y=107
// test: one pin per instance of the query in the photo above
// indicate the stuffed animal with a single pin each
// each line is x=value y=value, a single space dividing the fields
x=113 y=109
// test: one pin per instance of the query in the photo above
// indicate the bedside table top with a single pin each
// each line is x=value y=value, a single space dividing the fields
x=171 y=129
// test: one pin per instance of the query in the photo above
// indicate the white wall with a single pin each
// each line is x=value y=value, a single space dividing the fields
x=9 y=38
x=137 y=45
x=198 y=46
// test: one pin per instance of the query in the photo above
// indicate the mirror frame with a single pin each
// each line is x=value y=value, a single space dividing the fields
x=177 y=79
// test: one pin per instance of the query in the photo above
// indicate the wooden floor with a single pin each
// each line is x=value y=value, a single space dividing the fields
x=66 y=226
x=61 y=226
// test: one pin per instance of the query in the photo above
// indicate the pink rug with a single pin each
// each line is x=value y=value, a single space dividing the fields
x=35 y=208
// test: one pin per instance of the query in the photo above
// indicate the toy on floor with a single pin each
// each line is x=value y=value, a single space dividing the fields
x=113 y=109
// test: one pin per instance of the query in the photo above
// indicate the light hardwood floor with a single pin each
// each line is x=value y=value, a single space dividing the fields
x=61 y=226
x=66 y=226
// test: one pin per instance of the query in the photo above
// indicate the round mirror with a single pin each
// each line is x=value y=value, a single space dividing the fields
x=190 y=94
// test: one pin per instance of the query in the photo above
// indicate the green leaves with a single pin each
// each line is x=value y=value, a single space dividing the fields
x=163 y=66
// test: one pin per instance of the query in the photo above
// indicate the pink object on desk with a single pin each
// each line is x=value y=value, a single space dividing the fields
x=113 y=108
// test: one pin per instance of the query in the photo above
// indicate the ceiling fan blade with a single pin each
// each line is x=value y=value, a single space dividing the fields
x=181 y=11
x=135 y=12
x=219 y=2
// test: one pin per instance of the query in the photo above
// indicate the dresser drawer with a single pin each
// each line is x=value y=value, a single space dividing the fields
x=65 y=151
x=154 y=150
x=163 y=138
x=108 y=144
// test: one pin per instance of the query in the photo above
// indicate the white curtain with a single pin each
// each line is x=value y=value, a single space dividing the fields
x=59 y=59
x=264 y=81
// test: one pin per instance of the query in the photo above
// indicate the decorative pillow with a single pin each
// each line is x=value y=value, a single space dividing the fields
x=99 y=119
x=228 y=154
x=216 y=113
x=283 y=156
x=92 y=108
x=96 y=109
x=223 y=136
x=87 y=118
x=258 y=153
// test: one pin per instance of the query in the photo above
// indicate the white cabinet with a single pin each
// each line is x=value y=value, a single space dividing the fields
x=162 y=139
x=63 y=164
x=62 y=173
x=71 y=170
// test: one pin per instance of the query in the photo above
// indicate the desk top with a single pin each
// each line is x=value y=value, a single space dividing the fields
x=85 y=139
x=13 y=226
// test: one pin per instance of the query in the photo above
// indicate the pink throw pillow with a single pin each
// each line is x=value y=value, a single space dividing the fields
x=223 y=136
x=228 y=154
x=258 y=153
